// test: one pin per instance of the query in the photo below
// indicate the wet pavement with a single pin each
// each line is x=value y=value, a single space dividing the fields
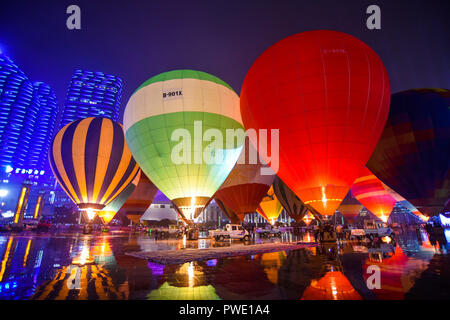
x=75 y=266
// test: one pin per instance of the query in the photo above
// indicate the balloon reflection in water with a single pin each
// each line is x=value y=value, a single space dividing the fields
x=271 y=263
x=85 y=279
x=333 y=286
x=398 y=273
x=241 y=278
x=186 y=282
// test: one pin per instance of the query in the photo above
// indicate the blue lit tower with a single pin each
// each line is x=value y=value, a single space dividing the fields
x=44 y=129
x=18 y=112
x=92 y=94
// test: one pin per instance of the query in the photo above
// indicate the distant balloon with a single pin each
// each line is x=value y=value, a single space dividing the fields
x=245 y=186
x=141 y=198
x=308 y=218
x=294 y=207
x=234 y=218
x=413 y=154
x=350 y=207
x=164 y=122
x=110 y=210
x=402 y=201
x=369 y=191
x=328 y=94
x=270 y=208
x=92 y=162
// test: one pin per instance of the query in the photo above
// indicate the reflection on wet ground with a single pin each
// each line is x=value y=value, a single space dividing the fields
x=75 y=266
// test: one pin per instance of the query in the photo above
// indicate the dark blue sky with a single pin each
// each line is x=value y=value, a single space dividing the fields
x=137 y=39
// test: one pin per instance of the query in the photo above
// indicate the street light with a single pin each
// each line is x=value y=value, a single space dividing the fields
x=3 y=193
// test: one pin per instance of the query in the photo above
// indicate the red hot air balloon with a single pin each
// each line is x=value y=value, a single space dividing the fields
x=234 y=218
x=328 y=94
x=369 y=190
x=245 y=186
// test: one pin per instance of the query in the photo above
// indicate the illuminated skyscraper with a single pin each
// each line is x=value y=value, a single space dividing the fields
x=92 y=94
x=44 y=129
x=19 y=108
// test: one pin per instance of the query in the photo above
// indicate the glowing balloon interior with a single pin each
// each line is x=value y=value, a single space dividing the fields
x=174 y=124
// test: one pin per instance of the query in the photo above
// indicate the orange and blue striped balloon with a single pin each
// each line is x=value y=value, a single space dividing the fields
x=92 y=162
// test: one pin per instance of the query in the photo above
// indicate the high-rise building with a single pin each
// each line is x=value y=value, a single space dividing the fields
x=92 y=94
x=44 y=129
x=19 y=108
x=27 y=121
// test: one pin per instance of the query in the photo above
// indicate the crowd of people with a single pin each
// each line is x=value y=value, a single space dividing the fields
x=436 y=234
x=329 y=231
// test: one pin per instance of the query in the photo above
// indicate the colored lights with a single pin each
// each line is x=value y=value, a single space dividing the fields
x=19 y=109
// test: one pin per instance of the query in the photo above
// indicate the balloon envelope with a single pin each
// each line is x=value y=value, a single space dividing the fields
x=350 y=207
x=369 y=191
x=140 y=199
x=247 y=183
x=294 y=207
x=234 y=218
x=270 y=208
x=403 y=202
x=110 y=210
x=92 y=162
x=328 y=94
x=164 y=122
x=413 y=154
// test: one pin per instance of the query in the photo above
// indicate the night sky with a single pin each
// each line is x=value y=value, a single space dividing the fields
x=138 y=39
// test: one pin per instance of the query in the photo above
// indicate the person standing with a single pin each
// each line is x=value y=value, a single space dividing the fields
x=316 y=233
x=339 y=233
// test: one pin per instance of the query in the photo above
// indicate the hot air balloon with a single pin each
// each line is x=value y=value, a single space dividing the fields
x=247 y=183
x=234 y=218
x=307 y=218
x=294 y=207
x=328 y=94
x=369 y=191
x=350 y=207
x=164 y=121
x=270 y=208
x=92 y=162
x=405 y=203
x=413 y=154
x=110 y=210
x=141 y=198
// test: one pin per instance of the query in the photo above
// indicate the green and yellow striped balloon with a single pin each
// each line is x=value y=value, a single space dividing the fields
x=182 y=99
x=92 y=162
